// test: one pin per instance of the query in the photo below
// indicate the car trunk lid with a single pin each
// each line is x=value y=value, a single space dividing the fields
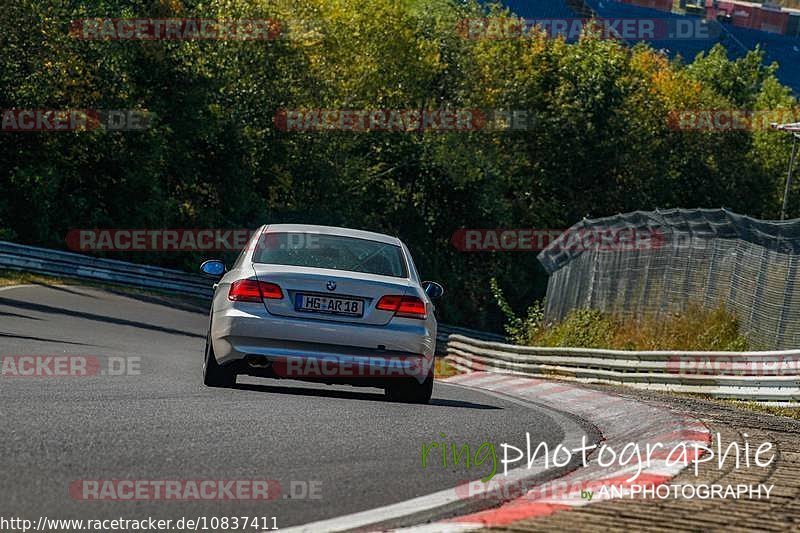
x=333 y=291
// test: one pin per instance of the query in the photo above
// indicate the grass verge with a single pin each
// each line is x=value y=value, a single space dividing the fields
x=789 y=412
x=442 y=369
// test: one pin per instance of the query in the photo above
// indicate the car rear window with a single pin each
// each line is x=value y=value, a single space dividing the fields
x=335 y=252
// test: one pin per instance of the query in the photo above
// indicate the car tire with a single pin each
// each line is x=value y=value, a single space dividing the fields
x=215 y=375
x=411 y=391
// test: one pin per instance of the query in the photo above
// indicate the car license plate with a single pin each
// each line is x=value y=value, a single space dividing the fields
x=329 y=304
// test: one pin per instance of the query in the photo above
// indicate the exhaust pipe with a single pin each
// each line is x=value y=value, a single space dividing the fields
x=258 y=362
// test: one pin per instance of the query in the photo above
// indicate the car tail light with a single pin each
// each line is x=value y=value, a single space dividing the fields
x=270 y=291
x=404 y=306
x=250 y=290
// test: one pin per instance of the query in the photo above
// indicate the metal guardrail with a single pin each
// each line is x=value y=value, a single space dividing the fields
x=444 y=331
x=752 y=376
x=72 y=265
x=67 y=264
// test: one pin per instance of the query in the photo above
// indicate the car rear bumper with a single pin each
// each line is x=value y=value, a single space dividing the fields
x=247 y=332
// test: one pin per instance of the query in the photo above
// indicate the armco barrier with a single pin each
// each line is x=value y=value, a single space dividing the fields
x=444 y=331
x=753 y=376
x=71 y=265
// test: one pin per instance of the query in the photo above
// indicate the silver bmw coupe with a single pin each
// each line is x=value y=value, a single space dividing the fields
x=318 y=303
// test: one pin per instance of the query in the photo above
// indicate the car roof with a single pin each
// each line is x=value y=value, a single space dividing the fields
x=331 y=230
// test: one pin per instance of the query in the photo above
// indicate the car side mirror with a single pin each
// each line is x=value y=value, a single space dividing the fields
x=432 y=289
x=213 y=268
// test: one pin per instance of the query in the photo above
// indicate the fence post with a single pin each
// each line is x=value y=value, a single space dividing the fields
x=593 y=277
x=738 y=254
x=646 y=284
x=712 y=266
x=662 y=304
x=687 y=270
x=788 y=291
x=758 y=290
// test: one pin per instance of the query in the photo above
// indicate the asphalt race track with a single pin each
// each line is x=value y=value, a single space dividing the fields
x=158 y=422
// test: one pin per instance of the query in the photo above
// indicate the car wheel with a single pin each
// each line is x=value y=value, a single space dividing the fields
x=411 y=391
x=215 y=375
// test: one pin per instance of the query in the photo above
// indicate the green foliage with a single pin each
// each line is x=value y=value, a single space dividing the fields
x=598 y=141
x=739 y=81
x=582 y=328
x=695 y=329
x=520 y=330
